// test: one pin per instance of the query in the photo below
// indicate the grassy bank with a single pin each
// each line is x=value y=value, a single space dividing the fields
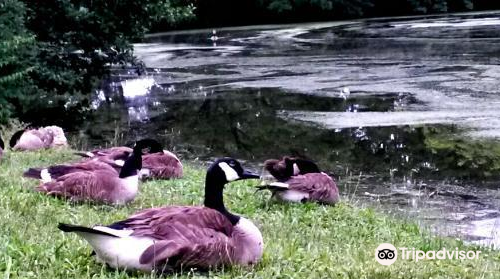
x=301 y=241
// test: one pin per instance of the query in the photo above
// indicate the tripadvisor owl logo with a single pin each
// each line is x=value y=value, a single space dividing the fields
x=387 y=254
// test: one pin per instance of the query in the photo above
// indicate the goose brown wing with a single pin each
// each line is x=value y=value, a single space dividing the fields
x=156 y=222
x=114 y=153
x=96 y=185
x=319 y=186
x=189 y=245
x=162 y=165
x=95 y=165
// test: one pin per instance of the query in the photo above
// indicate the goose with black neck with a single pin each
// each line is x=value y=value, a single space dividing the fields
x=168 y=238
x=101 y=185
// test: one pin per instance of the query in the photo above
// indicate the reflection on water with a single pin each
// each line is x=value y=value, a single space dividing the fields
x=383 y=105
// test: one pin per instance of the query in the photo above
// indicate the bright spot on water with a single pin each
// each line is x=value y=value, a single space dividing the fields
x=137 y=87
x=214 y=36
x=440 y=23
x=345 y=92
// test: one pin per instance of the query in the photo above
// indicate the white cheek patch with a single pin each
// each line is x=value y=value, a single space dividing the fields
x=120 y=162
x=231 y=174
x=296 y=169
x=45 y=176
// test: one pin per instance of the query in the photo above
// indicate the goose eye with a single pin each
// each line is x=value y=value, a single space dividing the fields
x=232 y=164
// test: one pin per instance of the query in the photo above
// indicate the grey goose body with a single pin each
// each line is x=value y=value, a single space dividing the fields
x=35 y=139
x=300 y=180
x=103 y=185
x=168 y=238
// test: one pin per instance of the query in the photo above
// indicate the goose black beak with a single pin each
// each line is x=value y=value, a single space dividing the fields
x=249 y=175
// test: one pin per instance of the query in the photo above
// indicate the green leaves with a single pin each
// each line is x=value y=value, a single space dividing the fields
x=60 y=48
x=16 y=53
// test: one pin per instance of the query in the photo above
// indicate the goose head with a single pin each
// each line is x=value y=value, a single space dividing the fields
x=153 y=145
x=221 y=172
x=290 y=166
x=226 y=170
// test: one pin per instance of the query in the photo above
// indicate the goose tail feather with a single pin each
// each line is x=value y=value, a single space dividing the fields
x=33 y=173
x=81 y=229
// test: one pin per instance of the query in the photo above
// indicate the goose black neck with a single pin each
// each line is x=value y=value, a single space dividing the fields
x=15 y=138
x=132 y=165
x=214 y=197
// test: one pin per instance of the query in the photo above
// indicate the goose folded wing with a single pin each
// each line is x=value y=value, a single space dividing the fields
x=115 y=153
x=162 y=165
x=81 y=185
x=319 y=186
x=61 y=170
x=189 y=245
x=155 y=222
x=95 y=165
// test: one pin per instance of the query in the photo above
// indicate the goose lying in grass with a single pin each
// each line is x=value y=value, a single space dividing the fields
x=157 y=164
x=168 y=238
x=34 y=139
x=300 y=180
x=102 y=185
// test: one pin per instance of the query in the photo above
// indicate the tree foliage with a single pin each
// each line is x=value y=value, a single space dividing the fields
x=78 y=39
x=60 y=48
x=228 y=12
x=16 y=48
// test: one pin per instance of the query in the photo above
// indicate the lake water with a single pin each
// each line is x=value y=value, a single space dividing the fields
x=393 y=108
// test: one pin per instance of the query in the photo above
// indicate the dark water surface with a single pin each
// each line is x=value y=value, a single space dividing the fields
x=397 y=109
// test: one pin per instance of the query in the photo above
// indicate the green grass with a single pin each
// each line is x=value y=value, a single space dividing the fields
x=301 y=240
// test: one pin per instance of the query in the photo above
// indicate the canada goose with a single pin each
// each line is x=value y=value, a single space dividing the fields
x=157 y=163
x=300 y=180
x=102 y=185
x=34 y=139
x=167 y=238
